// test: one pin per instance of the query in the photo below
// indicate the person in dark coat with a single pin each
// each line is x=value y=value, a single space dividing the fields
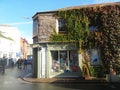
x=3 y=63
x=25 y=64
x=19 y=63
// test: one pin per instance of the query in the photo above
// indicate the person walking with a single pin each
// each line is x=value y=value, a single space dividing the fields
x=25 y=64
x=3 y=63
x=11 y=62
x=19 y=63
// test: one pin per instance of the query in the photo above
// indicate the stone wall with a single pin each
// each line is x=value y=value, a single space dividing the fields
x=46 y=26
x=113 y=78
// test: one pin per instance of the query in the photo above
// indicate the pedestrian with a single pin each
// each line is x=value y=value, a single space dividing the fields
x=11 y=62
x=3 y=63
x=25 y=64
x=19 y=63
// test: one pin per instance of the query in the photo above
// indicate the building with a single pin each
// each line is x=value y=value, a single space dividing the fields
x=29 y=51
x=26 y=48
x=61 y=59
x=24 y=45
x=9 y=42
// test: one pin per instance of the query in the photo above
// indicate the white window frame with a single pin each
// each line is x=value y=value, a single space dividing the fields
x=58 y=25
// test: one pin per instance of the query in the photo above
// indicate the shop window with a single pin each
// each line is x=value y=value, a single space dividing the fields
x=64 y=61
x=73 y=61
x=55 y=62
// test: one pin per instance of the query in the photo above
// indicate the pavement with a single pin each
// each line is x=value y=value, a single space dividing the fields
x=61 y=80
x=14 y=78
x=98 y=81
x=28 y=78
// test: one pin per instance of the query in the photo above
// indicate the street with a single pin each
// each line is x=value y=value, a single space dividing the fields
x=11 y=80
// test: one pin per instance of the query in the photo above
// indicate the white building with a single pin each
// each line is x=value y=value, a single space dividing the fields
x=10 y=44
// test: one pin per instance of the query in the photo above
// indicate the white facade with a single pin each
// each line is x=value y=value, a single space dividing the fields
x=42 y=63
x=9 y=48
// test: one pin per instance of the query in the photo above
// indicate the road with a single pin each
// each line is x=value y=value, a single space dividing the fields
x=11 y=80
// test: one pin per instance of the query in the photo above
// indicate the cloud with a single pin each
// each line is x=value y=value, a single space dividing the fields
x=19 y=23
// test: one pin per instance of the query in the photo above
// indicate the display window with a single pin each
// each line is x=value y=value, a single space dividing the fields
x=55 y=62
x=74 y=61
x=64 y=61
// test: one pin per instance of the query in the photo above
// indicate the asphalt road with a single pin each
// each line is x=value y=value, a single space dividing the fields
x=11 y=80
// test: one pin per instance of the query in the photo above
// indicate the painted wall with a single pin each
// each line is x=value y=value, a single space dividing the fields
x=10 y=48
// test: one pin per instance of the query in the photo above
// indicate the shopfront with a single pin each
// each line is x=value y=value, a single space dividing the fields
x=63 y=62
x=55 y=61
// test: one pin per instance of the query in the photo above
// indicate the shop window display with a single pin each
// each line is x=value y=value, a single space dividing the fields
x=55 y=62
x=64 y=61
x=73 y=61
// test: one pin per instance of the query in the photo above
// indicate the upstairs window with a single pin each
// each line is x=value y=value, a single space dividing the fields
x=93 y=28
x=61 y=25
x=35 y=27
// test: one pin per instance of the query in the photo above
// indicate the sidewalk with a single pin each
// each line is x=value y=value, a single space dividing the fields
x=59 y=80
x=29 y=78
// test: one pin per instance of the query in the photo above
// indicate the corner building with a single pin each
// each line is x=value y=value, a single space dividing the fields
x=52 y=59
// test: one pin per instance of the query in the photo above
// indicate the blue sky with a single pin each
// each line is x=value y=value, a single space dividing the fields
x=19 y=13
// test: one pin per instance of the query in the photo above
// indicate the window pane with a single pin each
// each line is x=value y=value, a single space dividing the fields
x=63 y=60
x=55 y=62
x=61 y=24
x=73 y=61
x=95 y=57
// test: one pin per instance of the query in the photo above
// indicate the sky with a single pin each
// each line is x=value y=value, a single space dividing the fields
x=19 y=13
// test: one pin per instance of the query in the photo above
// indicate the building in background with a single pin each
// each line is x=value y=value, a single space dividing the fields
x=26 y=48
x=29 y=51
x=24 y=44
x=12 y=45
x=9 y=42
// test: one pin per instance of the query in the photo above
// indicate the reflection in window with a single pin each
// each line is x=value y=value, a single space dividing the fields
x=74 y=61
x=55 y=62
x=64 y=61
x=95 y=57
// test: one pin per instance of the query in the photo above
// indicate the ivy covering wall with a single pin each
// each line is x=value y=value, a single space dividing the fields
x=110 y=37
x=106 y=36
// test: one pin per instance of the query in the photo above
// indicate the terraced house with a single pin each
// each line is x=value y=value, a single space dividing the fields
x=78 y=41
